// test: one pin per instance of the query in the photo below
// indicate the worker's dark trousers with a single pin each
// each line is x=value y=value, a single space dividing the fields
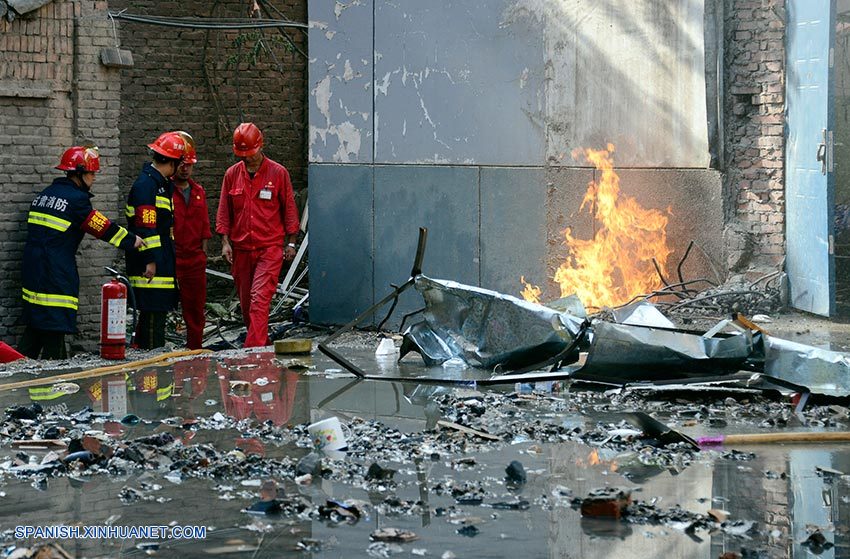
x=45 y=344
x=150 y=332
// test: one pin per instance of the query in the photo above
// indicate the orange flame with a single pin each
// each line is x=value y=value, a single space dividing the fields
x=530 y=292
x=616 y=264
x=593 y=459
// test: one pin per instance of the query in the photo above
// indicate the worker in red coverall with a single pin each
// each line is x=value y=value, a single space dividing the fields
x=191 y=231
x=258 y=222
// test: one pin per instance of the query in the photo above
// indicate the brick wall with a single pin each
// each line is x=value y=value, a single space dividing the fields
x=754 y=137
x=54 y=93
x=181 y=80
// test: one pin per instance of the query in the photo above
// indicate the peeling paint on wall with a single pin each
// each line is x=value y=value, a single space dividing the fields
x=341 y=77
x=340 y=7
x=516 y=82
x=347 y=135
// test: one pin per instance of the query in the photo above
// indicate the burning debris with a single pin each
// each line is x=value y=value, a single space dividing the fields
x=628 y=250
x=626 y=260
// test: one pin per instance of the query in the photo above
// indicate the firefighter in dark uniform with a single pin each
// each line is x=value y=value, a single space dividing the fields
x=58 y=219
x=150 y=214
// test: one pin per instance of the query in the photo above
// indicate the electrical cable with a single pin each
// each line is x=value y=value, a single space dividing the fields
x=208 y=23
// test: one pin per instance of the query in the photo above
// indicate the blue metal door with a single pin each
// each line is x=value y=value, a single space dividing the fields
x=808 y=162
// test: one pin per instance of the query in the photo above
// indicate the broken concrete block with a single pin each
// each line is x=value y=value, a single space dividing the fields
x=719 y=515
x=609 y=502
x=392 y=535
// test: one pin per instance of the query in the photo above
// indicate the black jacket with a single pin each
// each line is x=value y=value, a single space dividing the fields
x=58 y=219
x=150 y=215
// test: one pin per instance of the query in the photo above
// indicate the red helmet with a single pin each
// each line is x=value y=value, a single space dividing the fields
x=170 y=144
x=78 y=158
x=191 y=156
x=247 y=140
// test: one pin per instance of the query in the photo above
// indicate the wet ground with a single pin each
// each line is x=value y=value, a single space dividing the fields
x=446 y=486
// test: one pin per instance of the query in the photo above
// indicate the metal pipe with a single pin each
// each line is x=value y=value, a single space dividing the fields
x=415 y=271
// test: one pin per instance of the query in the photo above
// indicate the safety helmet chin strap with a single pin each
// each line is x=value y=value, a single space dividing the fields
x=77 y=178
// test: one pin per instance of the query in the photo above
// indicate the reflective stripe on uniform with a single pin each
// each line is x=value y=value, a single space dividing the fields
x=164 y=393
x=47 y=220
x=163 y=202
x=129 y=211
x=50 y=299
x=158 y=282
x=45 y=393
x=154 y=241
x=118 y=237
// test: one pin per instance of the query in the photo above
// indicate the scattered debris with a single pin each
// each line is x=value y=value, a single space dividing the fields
x=393 y=535
x=719 y=515
x=377 y=473
x=817 y=542
x=460 y=429
x=516 y=473
x=468 y=430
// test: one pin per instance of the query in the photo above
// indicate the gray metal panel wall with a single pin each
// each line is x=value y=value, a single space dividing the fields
x=513 y=227
x=443 y=199
x=513 y=218
x=341 y=79
x=456 y=84
x=631 y=72
x=340 y=242
x=508 y=82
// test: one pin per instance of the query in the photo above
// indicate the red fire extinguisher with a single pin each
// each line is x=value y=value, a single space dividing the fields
x=113 y=320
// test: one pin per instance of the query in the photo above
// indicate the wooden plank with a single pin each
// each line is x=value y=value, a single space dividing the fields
x=468 y=430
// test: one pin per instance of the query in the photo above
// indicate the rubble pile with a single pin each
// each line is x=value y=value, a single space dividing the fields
x=89 y=450
x=760 y=297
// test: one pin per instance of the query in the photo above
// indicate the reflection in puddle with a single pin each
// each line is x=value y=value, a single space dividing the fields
x=448 y=487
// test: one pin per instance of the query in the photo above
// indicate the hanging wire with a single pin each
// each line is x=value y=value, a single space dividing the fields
x=265 y=9
x=114 y=30
x=208 y=23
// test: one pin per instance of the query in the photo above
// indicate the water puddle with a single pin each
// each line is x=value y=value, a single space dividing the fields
x=240 y=421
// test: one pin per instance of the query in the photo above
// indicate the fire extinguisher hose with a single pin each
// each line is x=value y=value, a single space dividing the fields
x=159 y=360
